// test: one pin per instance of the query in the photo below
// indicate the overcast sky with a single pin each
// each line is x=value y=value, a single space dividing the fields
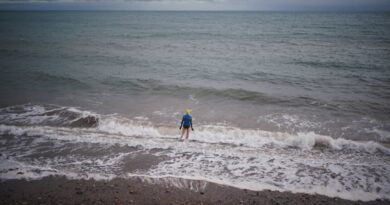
x=289 y=5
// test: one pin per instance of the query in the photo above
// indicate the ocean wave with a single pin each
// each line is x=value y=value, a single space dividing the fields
x=242 y=137
x=152 y=86
x=56 y=80
x=303 y=162
x=17 y=120
x=335 y=65
x=51 y=115
x=138 y=86
x=277 y=79
x=37 y=79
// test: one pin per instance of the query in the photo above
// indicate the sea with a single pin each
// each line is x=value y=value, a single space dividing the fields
x=286 y=101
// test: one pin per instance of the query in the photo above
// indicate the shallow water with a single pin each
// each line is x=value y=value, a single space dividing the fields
x=44 y=140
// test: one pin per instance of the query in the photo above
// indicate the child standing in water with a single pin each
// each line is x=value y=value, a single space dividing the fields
x=186 y=123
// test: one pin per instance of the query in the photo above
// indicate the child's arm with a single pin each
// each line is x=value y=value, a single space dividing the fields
x=181 y=124
x=191 y=124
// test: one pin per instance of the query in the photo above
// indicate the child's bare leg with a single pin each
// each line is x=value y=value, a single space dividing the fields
x=182 y=133
x=188 y=133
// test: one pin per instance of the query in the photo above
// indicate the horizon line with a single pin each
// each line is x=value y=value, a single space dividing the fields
x=200 y=10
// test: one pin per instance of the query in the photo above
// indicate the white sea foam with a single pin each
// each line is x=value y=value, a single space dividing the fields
x=213 y=134
x=241 y=166
x=244 y=158
x=13 y=169
x=384 y=135
x=240 y=137
x=43 y=115
x=113 y=124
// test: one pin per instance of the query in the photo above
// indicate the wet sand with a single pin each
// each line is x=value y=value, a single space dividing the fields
x=60 y=190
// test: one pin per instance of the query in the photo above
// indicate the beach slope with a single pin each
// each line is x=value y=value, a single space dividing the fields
x=60 y=190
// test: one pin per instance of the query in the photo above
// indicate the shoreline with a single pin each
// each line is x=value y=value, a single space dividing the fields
x=61 y=190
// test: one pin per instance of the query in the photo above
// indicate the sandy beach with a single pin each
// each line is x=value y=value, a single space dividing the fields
x=60 y=190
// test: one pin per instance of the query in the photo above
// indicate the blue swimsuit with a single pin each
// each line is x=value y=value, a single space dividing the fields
x=186 y=122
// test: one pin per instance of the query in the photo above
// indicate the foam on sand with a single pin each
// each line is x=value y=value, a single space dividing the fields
x=40 y=142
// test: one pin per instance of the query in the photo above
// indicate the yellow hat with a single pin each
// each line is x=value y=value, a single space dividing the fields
x=188 y=111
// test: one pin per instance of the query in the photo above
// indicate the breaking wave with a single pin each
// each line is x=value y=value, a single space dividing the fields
x=34 y=119
x=48 y=115
x=44 y=140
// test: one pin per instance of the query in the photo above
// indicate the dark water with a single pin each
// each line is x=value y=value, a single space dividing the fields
x=226 y=66
x=304 y=92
